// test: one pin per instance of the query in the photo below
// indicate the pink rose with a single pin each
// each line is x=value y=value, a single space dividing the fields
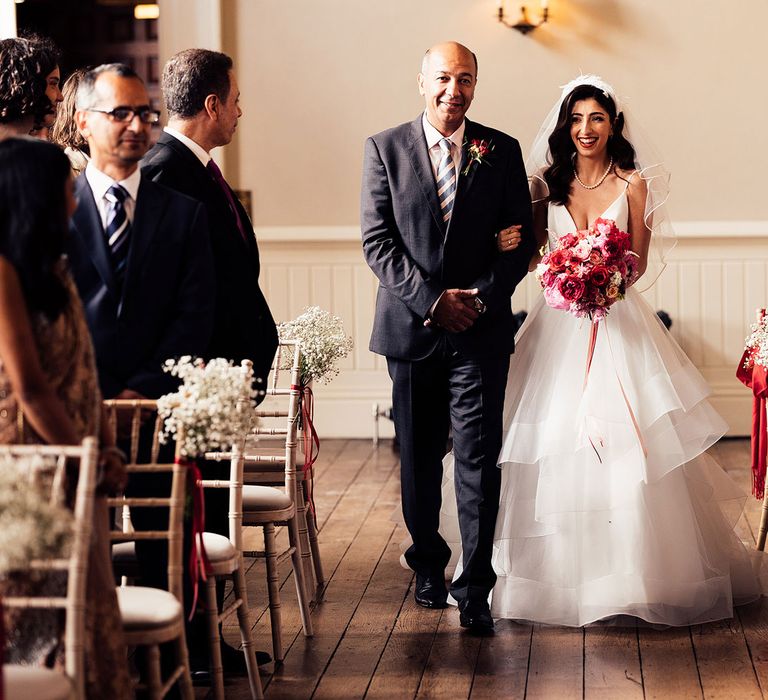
x=554 y=299
x=567 y=240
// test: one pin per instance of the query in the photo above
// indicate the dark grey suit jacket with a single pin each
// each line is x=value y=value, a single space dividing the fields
x=416 y=257
x=165 y=307
x=243 y=324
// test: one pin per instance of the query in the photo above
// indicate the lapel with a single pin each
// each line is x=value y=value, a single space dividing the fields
x=87 y=223
x=146 y=219
x=417 y=150
x=465 y=181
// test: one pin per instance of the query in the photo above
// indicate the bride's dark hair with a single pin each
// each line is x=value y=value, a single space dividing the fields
x=559 y=175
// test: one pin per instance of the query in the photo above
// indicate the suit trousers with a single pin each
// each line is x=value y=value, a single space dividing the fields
x=446 y=390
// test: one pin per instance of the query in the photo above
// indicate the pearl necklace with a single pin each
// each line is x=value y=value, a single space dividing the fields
x=599 y=182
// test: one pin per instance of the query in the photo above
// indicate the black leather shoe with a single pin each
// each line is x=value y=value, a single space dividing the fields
x=475 y=617
x=430 y=591
x=233 y=661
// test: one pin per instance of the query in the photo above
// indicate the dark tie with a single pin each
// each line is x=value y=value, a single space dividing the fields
x=213 y=169
x=118 y=231
x=446 y=180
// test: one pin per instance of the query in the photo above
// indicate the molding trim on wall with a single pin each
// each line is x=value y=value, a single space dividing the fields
x=343 y=233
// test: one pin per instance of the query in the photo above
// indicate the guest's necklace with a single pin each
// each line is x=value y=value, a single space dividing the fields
x=599 y=182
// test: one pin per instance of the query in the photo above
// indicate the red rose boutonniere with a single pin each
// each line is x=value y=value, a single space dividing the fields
x=478 y=151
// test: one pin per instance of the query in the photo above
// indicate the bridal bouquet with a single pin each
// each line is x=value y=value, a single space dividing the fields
x=31 y=527
x=323 y=343
x=588 y=270
x=214 y=404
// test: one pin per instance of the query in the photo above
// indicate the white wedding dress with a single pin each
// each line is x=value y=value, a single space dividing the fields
x=589 y=527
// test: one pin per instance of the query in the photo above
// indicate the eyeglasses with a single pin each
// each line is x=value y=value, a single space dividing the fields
x=125 y=115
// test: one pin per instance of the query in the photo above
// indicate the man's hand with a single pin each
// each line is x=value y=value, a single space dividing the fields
x=509 y=238
x=455 y=311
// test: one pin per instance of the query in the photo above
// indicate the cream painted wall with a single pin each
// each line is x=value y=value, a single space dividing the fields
x=318 y=76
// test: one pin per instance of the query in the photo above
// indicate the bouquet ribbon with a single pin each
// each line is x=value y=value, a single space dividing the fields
x=198 y=563
x=310 y=439
x=756 y=379
x=632 y=417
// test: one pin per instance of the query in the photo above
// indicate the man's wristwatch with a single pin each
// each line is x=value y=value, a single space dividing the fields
x=479 y=305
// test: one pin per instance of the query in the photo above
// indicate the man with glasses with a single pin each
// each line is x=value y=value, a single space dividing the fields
x=139 y=251
x=140 y=256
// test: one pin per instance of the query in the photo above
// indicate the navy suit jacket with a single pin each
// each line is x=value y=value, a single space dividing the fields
x=416 y=256
x=165 y=307
x=243 y=325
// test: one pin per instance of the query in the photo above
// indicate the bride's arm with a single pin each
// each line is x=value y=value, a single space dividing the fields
x=639 y=233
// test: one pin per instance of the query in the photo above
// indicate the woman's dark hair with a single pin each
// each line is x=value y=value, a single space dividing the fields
x=33 y=219
x=64 y=130
x=559 y=175
x=24 y=66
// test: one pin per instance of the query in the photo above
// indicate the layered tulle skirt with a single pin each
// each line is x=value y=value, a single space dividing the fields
x=609 y=505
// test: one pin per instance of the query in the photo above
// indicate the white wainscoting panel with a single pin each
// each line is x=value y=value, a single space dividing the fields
x=716 y=278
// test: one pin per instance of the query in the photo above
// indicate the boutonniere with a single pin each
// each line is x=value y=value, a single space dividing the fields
x=478 y=151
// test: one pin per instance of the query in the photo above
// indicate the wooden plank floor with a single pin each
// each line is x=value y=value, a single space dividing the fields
x=372 y=641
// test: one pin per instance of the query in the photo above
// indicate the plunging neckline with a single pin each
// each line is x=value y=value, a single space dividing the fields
x=606 y=210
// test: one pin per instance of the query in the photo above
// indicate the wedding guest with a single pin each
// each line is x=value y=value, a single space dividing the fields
x=141 y=260
x=64 y=131
x=48 y=385
x=202 y=98
x=48 y=58
x=139 y=251
x=24 y=102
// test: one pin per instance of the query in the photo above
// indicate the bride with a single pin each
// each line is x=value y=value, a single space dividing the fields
x=609 y=504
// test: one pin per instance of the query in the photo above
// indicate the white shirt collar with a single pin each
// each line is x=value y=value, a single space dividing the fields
x=434 y=136
x=100 y=182
x=202 y=155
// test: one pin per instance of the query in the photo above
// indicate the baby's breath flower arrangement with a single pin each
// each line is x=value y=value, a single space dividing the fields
x=31 y=527
x=214 y=404
x=323 y=343
x=756 y=345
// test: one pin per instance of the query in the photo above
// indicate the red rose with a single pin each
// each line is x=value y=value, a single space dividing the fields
x=612 y=247
x=557 y=259
x=600 y=275
x=572 y=288
x=568 y=240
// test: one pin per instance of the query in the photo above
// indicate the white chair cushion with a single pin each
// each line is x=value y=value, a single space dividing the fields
x=264 y=498
x=218 y=548
x=35 y=683
x=147 y=608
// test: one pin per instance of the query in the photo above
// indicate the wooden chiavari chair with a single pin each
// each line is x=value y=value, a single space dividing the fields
x=22 y=682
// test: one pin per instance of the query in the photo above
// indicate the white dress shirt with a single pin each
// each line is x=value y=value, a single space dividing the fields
x=434 y=137
x=101 y=182
x=200 y=153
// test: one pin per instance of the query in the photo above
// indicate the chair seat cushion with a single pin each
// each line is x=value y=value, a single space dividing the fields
x=218 y=548
x=35 y=683
x=264 y=498
x=147 y=608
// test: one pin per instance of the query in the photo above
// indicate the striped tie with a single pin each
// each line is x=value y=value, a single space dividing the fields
x=118 y=230
x=446 y=180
